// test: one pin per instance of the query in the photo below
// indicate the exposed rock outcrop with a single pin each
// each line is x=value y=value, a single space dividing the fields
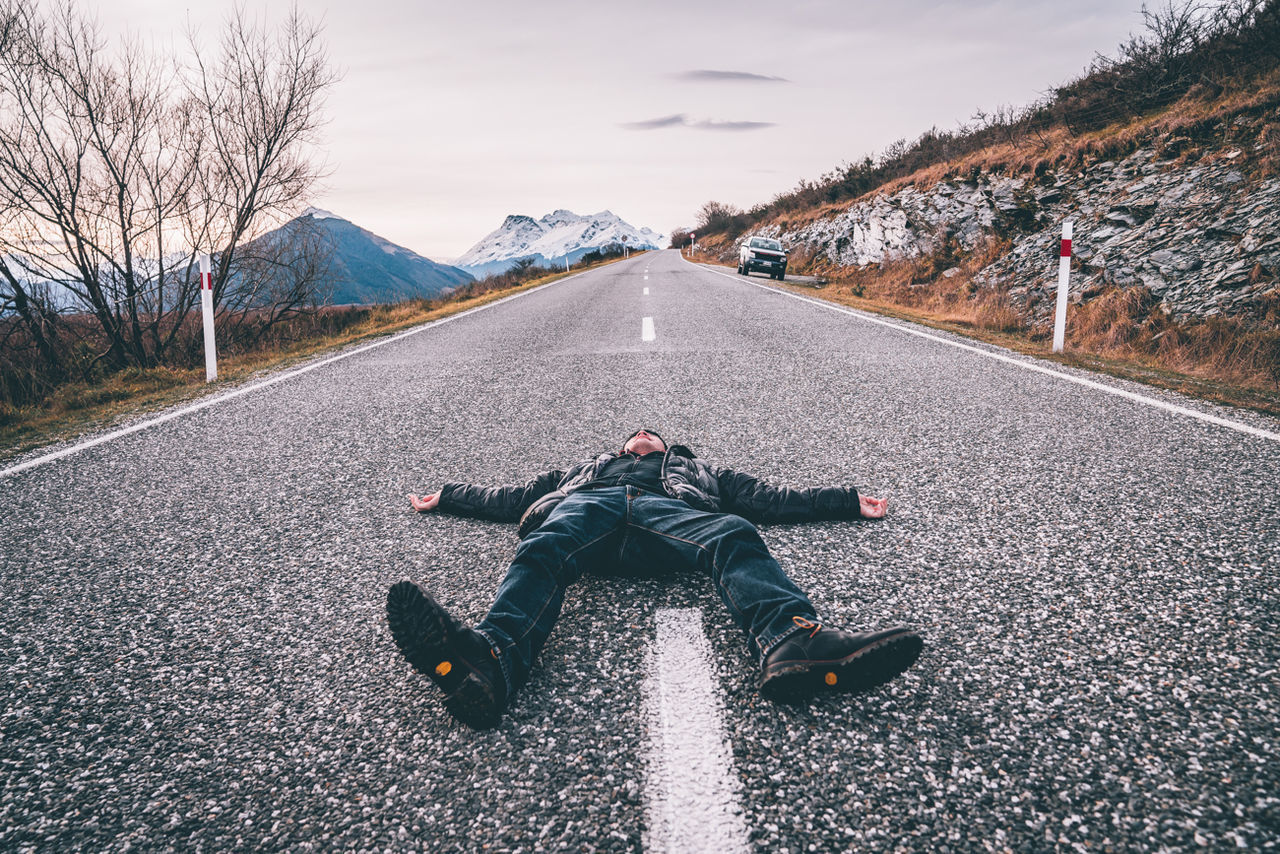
x=1202 y=237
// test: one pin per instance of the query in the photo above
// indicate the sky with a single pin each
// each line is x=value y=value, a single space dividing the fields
x=451 y=115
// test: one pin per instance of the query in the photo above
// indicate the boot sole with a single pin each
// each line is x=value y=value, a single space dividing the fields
x=870 y=667
x=423 y=631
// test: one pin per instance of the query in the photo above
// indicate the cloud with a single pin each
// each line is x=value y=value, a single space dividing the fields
x=732 y=126
x=654 y=124
x=682 y=120
x=704 y=75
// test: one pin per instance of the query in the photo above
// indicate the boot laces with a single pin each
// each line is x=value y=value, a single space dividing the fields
x=807 y=624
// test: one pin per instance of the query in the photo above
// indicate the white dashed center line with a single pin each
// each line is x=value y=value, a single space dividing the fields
x=646 y=329
x=692 y=795
x=646 y=291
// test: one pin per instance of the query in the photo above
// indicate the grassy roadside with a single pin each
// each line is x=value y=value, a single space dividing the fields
x=1251 y=397
x=80 y=408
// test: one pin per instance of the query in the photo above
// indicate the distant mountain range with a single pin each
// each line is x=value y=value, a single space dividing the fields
x=361 y=268
x=553 y=239
x=365 y=268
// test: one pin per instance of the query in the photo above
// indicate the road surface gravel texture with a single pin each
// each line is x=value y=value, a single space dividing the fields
x=194 y=654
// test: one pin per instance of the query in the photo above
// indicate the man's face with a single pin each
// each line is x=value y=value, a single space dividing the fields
x=644 y=442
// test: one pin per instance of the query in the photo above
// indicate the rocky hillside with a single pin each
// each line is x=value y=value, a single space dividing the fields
x=1202 y=236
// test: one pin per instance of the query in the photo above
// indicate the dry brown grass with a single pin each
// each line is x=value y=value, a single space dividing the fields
x=1130 y=324
x=1120 y=324
x=1123 y=333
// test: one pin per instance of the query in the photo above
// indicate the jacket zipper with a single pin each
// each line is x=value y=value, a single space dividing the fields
x=665 y=488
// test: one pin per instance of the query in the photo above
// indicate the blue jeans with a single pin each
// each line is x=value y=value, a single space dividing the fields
x=625 y=531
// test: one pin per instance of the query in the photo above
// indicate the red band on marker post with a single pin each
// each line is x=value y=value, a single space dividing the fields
x=1066 y=249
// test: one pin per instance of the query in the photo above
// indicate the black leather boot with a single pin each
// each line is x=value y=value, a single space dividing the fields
x=818 y=660
x=457 y=658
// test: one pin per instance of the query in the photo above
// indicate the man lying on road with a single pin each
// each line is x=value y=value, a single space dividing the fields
x=647 y=510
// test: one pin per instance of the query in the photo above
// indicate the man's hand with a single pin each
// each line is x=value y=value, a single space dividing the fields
x=426 y=502
x=873 y=508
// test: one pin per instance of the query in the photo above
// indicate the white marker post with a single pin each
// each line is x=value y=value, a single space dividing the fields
x=693 y=243
x=206 y=306
x=1064 y=280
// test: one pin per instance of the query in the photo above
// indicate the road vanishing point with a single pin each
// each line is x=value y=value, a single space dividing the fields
x=194 y=653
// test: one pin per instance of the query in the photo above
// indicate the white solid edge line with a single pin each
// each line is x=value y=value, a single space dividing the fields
x=692 y=796
x=646 y=329
x=222 y=398
x=1030 y=366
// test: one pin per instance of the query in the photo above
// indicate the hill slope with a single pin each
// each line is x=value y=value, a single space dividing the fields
x=365 y=269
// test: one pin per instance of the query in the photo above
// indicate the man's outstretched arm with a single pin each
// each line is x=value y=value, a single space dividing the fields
x=762 y=501
x=500 y=503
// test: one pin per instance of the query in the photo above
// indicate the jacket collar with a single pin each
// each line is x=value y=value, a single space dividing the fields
x=674 y=450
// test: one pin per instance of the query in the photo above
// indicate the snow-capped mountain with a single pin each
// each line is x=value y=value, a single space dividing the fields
x=558 y=236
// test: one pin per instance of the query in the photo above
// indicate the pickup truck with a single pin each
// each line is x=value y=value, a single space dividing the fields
x=763 y=254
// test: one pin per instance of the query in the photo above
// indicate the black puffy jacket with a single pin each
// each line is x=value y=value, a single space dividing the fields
x=699 y=485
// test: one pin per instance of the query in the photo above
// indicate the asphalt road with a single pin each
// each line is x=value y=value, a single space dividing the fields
x=193 y=652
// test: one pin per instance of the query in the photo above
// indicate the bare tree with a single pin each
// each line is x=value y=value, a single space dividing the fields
x=66 y=124
x=261 y=104
x=117 y=167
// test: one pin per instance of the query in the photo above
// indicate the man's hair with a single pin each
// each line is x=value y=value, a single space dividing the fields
x=653 y=433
